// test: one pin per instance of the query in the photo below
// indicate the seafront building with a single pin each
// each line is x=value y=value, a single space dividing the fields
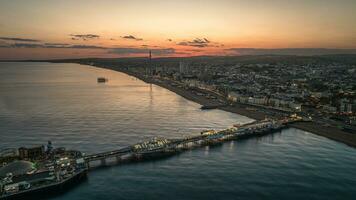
x=34 y=170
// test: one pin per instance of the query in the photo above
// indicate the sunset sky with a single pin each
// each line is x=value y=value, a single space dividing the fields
x=49 y=29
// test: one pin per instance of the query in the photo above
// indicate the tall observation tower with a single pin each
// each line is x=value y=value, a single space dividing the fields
x=149 y=65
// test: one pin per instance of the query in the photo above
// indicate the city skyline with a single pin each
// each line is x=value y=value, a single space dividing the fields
x=49 y=30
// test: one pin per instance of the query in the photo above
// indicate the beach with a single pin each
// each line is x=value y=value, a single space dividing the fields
x=332 y=133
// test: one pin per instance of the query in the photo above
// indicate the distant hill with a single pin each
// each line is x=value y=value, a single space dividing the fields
x=291 y=51
x=218 y=60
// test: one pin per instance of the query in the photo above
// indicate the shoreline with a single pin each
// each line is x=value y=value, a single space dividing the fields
x=332 y=133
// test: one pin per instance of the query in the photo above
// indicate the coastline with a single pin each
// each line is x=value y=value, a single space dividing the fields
x=332 y=133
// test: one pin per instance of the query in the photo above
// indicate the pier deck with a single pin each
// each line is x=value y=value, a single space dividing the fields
x=155 y=148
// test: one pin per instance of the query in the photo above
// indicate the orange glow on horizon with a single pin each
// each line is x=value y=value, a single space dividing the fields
x=172 y=28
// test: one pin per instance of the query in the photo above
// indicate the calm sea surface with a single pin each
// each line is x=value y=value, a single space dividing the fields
x=64 y=103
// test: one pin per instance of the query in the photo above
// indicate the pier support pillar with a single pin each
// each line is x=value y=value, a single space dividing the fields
x=118 y=159
x=103 y=162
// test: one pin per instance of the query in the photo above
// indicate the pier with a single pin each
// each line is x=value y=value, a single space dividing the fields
x=161 y=147
x=61 y=167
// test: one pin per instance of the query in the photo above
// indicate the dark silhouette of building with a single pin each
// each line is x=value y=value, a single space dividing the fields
x=31 y=153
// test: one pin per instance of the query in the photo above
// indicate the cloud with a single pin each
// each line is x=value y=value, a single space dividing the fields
x=120 y=51
x=164 y=51
x=86 y=47
x=84 y=36
x=126 y=51
x=26 y=45
x=143 y=49
x=150 y=46
x=289 y=51
x=18 y=39
x=57 y=44
x=131 y=37
x=197 y=42
x=3 y=44
x=53 y=46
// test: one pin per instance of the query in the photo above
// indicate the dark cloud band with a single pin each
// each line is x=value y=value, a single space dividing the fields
x=53 y=45
x=84 y=36
x=119 y=51
x=198 y=42
x=18 y=39
x=131 y=37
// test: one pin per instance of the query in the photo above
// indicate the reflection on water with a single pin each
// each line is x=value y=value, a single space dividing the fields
x=65 y=104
